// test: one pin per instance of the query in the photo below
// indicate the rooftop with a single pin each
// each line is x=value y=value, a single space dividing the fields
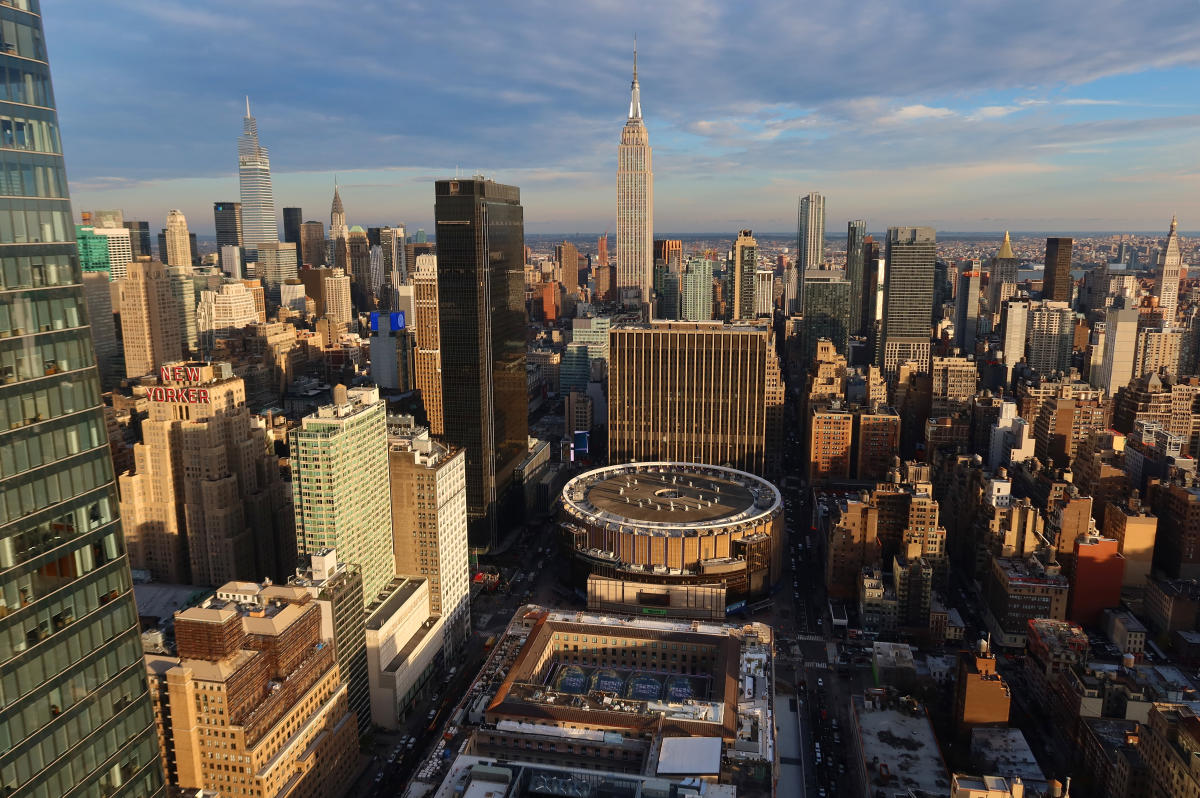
x=1006 y=752
x=690 y=756
x=394 y=596
x=900 y=745
x=671 y=495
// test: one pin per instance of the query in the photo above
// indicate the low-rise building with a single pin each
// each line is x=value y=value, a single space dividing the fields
x=404 y=649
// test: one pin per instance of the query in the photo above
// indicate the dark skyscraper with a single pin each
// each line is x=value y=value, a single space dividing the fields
x=826 y=311
x=1056 y=281
x=227 y=218
x=855 y=232
x=312 y=243
x=293 y=218
x=908 y=296
x=139 y=239
x=481 y=297
x=75 y=716
x=868 y=299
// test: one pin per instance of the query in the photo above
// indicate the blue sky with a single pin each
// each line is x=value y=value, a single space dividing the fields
x=1066 y=115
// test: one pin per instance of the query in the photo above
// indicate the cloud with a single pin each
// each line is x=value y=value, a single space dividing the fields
x=1086 y=101
x=912 y=113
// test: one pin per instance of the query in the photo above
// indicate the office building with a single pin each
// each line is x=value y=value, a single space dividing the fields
x=481 y=304
x=908 y=297
x=183 y=292
x=810 y=244
x=429 y=523
x=219 y=313
x=179 y=250
x=1166 y=284
x=856 y=232
x=404 y=651
x=826 y=310
x=764 y=293
x=1158 y=351
x=98 y=292
x=254 y=703
x=696 y=290
x=205 y=503
x=568 y=264
x=1014 y=322
x=312 y=243
x=76 y=715
x=1050 y=333
x=93 y=250
x=953 y=385
x=227 y=218
x=336 y=587
x=254 y=180
x=1120 y=350
x=150 y=325
x=293 y=219
x=231 y=262
x=120 y=250
x=276 y=265
x=395 y=266
x=427 y=325
x=635 y=207
x=139 y=239
x=1056 y=279
x=340 y=484
x=392 y=350
x=982 y=697
x=684 y=414
x=743 y=270
x=1002 y=275
x=1018 y=590
x=335 y=287
x=966 y=308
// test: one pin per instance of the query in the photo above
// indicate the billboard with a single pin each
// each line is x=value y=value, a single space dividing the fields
x=394 y=321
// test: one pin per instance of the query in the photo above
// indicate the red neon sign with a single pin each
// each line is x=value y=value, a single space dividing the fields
x=188 y=394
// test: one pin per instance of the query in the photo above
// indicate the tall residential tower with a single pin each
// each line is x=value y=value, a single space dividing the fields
x=635 y=207
x=76 y=715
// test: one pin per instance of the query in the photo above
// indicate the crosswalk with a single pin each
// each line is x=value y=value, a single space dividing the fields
x=820 y=666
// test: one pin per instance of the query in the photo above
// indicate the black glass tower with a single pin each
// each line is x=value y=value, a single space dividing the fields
x=75 y=715
x=481 y=302
x=292 y=219
x=227 y=218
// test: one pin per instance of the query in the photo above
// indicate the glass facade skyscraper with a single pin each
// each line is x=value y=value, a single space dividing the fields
x=254 y=180
x=481 y=303
x=856 y=232
x=77 y=718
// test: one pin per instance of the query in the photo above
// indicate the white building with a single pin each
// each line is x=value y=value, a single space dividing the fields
x=179 y=247
x=223 y=311
x=337 y=297
x=1049 y=335
x=764 y=293
x=404 y=647
x=1120 y=350
x=120 y=250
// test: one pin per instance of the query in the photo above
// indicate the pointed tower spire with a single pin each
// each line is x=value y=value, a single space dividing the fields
x=1174 y=224
x=247 y=105
x=635 y=94
x=1006 y=248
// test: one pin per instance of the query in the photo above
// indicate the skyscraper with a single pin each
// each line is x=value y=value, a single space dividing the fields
x=966 y=307
x=481 y=297
x=340 y=484
x=568 y=263
x=687 y=412
x=811 y=228
x=428 y=360
x=696 y=290
x=856 y=231
x=139 y=239
x=150 y=325
x=1049 y=335
x=179 y=251
x=908 y=297
x=76 y=715
x=120 y=249
x=743 y=269
x=227 y=218
x=635 y=207
x=1166 y=284
x=339 y=234
x=826 y=311
x=312 y=244
x=254 y=177
x=183 y=292
x=602 y=250
x=1002 y=275
x=1056 y=279
x=292 y=219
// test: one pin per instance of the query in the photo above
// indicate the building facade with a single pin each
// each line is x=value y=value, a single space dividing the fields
x=76 y=715
x=635 y=207
x=254 y=180
x=908 y=297
x=151 y=329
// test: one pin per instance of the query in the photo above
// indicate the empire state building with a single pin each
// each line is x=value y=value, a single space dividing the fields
x=635 y=208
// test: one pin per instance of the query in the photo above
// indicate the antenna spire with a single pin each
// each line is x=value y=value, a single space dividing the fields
x=247 y=105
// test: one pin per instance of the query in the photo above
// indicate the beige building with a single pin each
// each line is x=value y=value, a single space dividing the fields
x=179 y=246
x=716 y=396
x=404 y=650
x=205 y=503
x=954 y=381
x=429 y=522
x=1134 y=528
x=1168 y=744
x=1157 y=351
x=253 y=705
x=150 y=325
x=428 y=360
x=337 y=296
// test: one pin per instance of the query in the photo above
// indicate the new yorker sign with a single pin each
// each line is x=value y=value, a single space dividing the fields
x=182 y=393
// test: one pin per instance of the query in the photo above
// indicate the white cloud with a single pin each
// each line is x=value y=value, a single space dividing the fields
x=912 y=113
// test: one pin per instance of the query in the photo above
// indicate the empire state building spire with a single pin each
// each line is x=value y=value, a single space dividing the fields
x=635 y=208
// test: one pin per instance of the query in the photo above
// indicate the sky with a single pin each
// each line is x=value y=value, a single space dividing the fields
x=967 y=115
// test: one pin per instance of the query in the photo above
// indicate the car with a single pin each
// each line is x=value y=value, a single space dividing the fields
x=820 y=682
x=379 y=777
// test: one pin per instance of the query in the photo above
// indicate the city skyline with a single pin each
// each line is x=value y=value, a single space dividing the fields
x=1057 y=128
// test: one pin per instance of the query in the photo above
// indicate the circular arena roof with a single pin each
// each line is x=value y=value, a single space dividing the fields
x=669 y=495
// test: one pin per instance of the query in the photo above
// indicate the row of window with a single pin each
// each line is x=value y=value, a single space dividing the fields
x=40 y=224
x=23 y=175
x=30 y=129
x=26 y=83
x=53 y=309
x=32 y=358
x=39 y=269
x=53 y=441
x=45 y=533
x=23 y=405
x=28 y=493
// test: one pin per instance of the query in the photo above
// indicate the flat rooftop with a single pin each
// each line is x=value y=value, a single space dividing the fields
x=902 y=741
x=396 y=594
x=1005 y=752
x=671 y=494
